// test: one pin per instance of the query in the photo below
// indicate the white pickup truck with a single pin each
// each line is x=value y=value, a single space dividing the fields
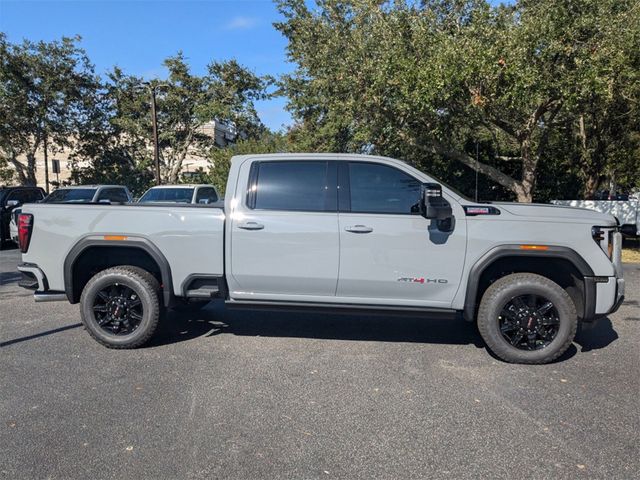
x=626 y=212
x=333 y=232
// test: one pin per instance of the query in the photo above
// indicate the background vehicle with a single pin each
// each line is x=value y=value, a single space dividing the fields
x=198 y=194
x=337 y=232
x=90 y=194
x=77 y=194
x=10 y=199
x=627 y=212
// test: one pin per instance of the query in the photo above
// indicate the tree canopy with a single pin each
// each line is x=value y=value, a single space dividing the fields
x=432 y=81
x=538 y=97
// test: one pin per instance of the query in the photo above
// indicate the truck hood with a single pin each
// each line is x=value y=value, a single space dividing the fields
x=558 y=213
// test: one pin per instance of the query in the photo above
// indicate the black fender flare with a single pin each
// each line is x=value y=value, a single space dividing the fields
x=559 y=252
x=132 y=242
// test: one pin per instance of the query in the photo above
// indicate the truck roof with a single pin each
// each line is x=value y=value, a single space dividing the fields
x=316 y=156
x=72 y=187
x=183 y=185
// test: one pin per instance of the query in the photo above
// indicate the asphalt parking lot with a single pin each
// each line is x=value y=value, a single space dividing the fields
x=247 y=395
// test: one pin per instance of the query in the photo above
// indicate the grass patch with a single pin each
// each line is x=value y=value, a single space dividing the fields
x=631 y=255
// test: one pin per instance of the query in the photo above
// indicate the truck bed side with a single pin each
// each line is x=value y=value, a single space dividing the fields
x=189 y=237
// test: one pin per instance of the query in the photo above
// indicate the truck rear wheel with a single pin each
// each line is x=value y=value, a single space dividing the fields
x=527 y=318
x=120 y=306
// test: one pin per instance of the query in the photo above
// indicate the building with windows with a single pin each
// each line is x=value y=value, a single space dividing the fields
x=224 y=134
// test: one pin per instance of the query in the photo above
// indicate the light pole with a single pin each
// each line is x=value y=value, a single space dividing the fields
x=152 y=87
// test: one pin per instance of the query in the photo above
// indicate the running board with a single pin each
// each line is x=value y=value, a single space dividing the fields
x=349 y=308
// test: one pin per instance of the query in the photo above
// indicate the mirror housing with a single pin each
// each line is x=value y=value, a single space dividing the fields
x=434 y=205
x=13 y=204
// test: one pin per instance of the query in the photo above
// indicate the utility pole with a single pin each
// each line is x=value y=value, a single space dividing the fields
x=46 y=163
x=154 y=122
x=477 y=167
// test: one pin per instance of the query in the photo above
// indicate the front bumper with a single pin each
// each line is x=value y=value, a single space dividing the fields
x=619 y=295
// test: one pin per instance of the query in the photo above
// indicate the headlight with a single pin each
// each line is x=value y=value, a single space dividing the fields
x=603 y=236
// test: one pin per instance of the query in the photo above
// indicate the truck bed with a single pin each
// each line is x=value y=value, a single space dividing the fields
x=189 y=236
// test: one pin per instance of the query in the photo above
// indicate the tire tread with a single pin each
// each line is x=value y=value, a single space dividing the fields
x=497 y=346
x=149 y=283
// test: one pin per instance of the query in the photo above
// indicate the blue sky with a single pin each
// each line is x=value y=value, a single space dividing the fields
x=138 y=35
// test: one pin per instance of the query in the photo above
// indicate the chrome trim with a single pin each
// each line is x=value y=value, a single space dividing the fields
x=49 y=296
x=617 y=254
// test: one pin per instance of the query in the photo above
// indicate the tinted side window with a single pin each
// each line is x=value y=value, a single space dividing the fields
x=19 y=195
x=114 y=195
x=34 y=196
x=206 y=195
x=291 y=185
x=382 y=189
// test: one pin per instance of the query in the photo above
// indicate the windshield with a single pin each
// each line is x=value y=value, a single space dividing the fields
x=71 y=195
x=177 y=195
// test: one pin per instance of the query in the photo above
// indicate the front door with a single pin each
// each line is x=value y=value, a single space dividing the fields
x=285 y=241
x=389 y=253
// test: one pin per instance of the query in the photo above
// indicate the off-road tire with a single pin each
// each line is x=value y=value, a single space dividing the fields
x=510 y=286
x=145 y=286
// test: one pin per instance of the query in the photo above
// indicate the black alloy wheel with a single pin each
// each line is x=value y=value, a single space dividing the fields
x=529 y=322
x=118 y=309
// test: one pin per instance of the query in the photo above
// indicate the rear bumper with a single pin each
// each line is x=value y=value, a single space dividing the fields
x=34 y=279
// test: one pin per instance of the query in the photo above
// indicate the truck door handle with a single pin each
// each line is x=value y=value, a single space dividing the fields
x=359 y=229
x=251 y=226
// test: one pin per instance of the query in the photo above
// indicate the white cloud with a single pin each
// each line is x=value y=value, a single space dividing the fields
x=241 y=23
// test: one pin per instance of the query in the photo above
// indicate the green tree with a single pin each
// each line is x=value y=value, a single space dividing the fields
x=47 y=94
x=185 y=103
x=429 y=82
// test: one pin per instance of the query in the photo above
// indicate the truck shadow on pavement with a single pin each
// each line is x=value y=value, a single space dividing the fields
x=215 y=320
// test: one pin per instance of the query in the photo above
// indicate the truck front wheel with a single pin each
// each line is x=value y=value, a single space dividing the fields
x=527 y=318
x=120 y=306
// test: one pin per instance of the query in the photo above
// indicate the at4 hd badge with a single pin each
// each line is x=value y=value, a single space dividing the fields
x=422 y=280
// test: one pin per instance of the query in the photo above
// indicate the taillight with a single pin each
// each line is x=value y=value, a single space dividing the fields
x=25 y=226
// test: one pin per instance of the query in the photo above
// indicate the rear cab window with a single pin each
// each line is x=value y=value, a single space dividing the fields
x=206 y=195
x=116 y=195
x=290 y=185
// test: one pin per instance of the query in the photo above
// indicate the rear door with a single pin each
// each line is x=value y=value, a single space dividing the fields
x=389 y=253
x=284 y=233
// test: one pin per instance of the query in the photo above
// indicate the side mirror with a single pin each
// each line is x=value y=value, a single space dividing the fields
x=434 y=205
x=13 y=204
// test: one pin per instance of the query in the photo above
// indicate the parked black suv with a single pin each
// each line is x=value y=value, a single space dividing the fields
x=10 y=198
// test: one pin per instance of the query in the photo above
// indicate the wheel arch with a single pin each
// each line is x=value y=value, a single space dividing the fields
x=555 y=262
x=102 y=253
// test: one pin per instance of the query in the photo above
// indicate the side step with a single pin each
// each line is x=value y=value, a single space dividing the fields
x=202 y=286
x=203 y=292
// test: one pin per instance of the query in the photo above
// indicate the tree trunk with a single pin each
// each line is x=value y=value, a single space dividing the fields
x=529 y=171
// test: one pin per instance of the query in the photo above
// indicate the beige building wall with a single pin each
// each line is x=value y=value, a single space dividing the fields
x=223 y=136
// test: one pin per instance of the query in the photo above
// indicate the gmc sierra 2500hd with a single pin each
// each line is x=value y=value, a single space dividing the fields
x=330 y=231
